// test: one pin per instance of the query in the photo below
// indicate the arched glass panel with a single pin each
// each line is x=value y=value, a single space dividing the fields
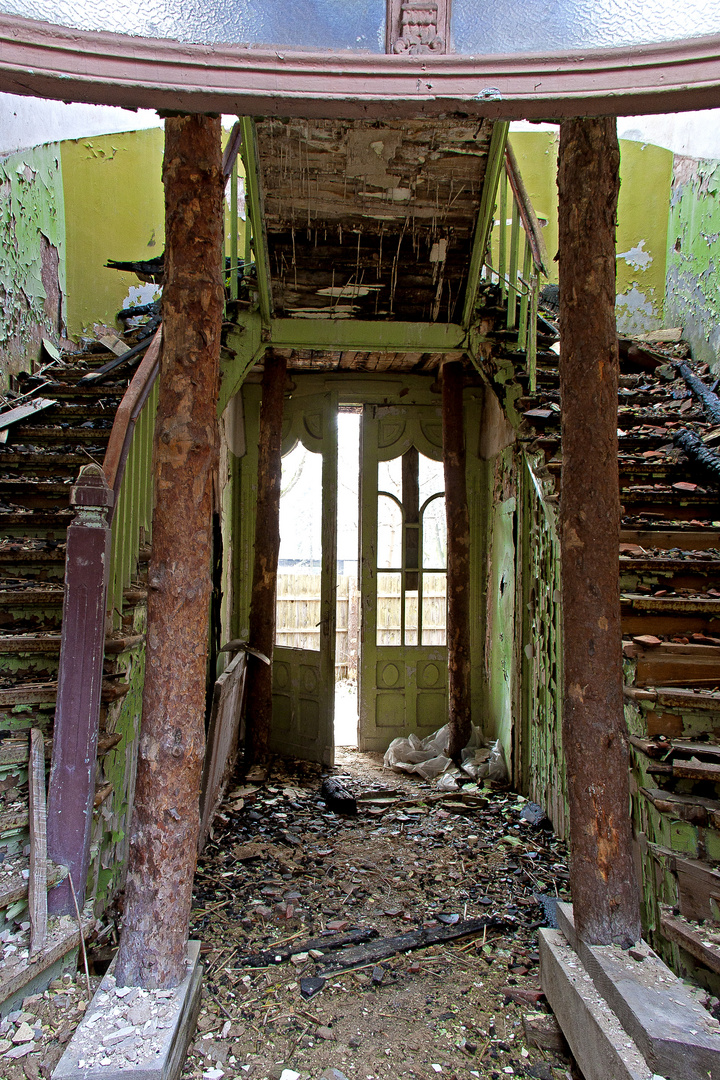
x=303 y=24
x=434 y=535
x=389 y=548
x=548 y=26
x=297 y=608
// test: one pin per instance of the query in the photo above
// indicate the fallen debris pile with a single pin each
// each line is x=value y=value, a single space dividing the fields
x=399 y=942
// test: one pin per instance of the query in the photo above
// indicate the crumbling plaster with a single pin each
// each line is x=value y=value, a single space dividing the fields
x=693 y=290
x=32 y=264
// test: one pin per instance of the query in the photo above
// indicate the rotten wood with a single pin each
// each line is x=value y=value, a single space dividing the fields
x=700 y=454
x=458 y=556
x=267 y=551
x=38 y=881
x=415 y=939
x=165 y=822
x=602 y=871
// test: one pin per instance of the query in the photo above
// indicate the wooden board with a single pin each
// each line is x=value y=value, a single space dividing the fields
x=222 y=740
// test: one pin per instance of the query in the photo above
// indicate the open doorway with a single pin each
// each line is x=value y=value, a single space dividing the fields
x=348 y=595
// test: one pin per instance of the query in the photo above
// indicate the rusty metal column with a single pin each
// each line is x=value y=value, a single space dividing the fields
x=166 y=820
x=602 y=872
x=77 y=712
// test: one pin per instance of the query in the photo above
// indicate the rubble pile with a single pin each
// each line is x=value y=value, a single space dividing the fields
x=285 y=880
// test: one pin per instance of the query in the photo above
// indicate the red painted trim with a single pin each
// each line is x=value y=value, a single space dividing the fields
x=55 y=62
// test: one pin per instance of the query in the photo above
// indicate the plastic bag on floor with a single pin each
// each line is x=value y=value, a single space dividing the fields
x=426 y=757
x=497 y=768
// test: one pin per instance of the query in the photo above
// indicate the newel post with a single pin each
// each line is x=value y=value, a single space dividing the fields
x=77 y=712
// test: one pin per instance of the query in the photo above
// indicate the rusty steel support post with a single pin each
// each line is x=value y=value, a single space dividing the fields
x=164 y=831
x=602 y=872
x=77 y=712
x=267 y=550
x=458 y=556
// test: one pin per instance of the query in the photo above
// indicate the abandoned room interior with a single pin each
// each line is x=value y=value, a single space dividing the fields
x=360 y=608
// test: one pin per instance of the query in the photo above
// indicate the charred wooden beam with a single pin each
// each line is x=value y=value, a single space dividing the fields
x=709 y=399
x=700 y=454
x=458 y=548
x=165 y=822
x=267 y=551
x=602 y=872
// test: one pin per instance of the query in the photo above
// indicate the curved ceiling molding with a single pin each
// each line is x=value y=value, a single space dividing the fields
x=72 y=65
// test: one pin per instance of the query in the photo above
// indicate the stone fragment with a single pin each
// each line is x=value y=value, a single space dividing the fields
x=24 y=1033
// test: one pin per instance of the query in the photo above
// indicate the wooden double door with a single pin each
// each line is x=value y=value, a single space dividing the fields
x=402 y=669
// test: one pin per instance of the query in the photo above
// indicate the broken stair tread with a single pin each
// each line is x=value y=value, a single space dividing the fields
x=689 y=937
x=45 y=595
x=684 y=604
x=46 y=693
x=39 y=643
x=694 y=808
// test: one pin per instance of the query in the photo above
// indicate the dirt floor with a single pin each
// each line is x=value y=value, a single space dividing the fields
x=281 y=870
x=283 y=880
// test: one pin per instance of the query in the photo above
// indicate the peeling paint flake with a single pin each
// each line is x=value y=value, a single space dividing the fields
x=637 y=257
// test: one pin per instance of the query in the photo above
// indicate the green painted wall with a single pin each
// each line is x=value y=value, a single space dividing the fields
x=113 y=210
x=32 y=250
x=645 y=183
x=693 y=288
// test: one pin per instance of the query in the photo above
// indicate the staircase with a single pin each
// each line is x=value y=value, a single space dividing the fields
x=670 y=597
x=39 y=463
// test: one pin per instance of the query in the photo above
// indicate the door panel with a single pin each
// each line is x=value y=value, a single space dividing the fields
x=403 y=670
x=304 y=678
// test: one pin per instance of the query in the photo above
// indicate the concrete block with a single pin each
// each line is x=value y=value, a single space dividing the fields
x=677 y=1037
x=602 y=1049
x=107 y=1045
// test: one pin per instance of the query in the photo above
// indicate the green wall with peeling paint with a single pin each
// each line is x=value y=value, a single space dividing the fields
x=645 y=182
x=114 y=209
x=32 y=256
x=693 y=286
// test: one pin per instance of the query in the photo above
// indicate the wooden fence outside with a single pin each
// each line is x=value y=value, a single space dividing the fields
x=298 y=615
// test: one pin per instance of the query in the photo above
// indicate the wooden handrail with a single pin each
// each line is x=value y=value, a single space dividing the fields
x=528 y=216
x=128 y=411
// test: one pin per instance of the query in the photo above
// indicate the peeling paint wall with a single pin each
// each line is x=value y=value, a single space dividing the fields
x=114 y=209
x=645 y=184
x=693 y=286
x=32 y=263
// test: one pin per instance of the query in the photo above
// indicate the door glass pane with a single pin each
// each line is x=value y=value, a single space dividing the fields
x=411 y=616
x=434 y=535
x=388 y=609
x=431 y=477
x=390 y=476
x=434 y=609
x=389 y=545
x=297 y=611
